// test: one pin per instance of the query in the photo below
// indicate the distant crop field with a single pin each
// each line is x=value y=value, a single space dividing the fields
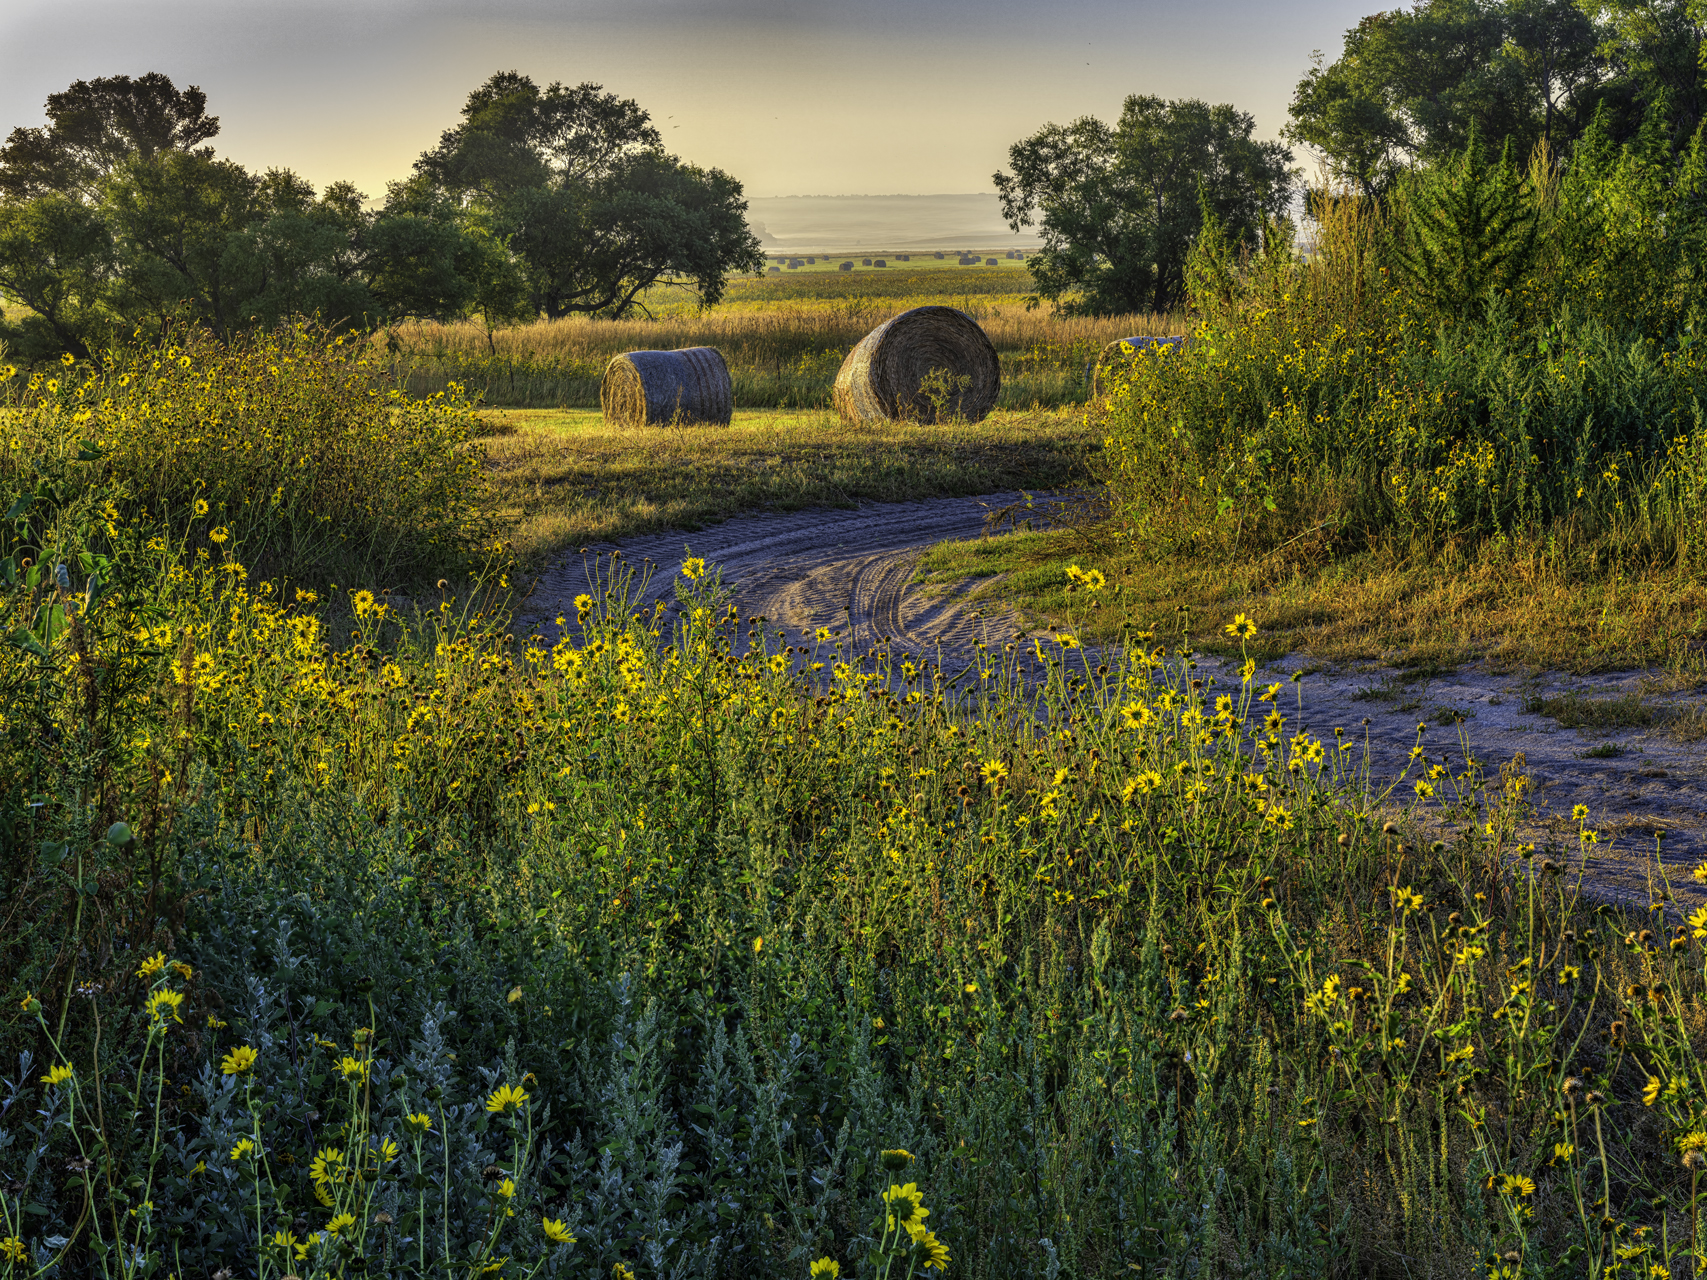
x=825 y=280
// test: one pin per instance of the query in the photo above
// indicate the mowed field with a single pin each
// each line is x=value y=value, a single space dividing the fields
x=563 y=478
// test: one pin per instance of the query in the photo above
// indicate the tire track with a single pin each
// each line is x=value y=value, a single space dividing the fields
x=851 y=572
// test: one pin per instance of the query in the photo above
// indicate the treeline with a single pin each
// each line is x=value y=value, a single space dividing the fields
x=539 y=201
x=1121 y=206
x=1412 y=85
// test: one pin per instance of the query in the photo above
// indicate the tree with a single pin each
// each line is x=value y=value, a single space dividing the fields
x=56 y=259
x=576 y=183
x=97 y=125
x=1120 y=207
x=1410 y=84
x=1656 y=47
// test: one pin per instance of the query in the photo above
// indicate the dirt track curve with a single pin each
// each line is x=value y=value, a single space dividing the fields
x=852 y=571
x=847 y=570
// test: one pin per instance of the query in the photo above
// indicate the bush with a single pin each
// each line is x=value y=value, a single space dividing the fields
x=1336 y=393
x=286 y=440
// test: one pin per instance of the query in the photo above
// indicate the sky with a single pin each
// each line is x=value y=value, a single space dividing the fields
x=792 y=97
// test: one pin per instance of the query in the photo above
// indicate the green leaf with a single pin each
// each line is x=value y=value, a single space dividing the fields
x=25 y=639
x=89 y=451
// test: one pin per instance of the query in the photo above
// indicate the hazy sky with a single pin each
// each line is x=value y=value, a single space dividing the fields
x=793 y=97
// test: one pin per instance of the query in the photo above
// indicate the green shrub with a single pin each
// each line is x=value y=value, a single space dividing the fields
x=1337 y=391
x=287 y=440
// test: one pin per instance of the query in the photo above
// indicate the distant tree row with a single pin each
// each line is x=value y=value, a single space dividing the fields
x=1119 y=208
x=539 y=202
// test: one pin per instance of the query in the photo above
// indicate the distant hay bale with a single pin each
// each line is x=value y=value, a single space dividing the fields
x=865 y=262
x=880 y=262
x=939 y=257
x=989 y=262
x=1097 y=369
x=658 y=388
x=776 y=271
x=846 y=266
x=883 y=377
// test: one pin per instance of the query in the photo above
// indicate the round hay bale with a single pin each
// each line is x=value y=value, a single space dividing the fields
x=883 y=377
x=660 y=388
x=1106 y=359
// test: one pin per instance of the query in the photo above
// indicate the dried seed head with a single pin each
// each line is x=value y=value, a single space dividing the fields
x=1693 y=1160
x=1572 y=1086
x=1344 y=840
x=1389 y=828
x=1594 y=1099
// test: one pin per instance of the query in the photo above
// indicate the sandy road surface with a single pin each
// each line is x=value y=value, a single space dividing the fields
x=852 y=571
x=848 y=570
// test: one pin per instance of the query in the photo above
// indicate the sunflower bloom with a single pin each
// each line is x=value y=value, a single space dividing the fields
x=556 y=1231
x=239 y=1062
x=505 y=1099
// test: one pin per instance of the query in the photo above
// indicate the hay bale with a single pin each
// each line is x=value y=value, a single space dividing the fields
x=882 y=377
x=1106 y=359
x=865 y=262
x=657 y=388
x=880 y=262
x=846 y=266
x=939 y=257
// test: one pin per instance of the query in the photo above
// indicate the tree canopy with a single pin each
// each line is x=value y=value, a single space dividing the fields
x=560 y=200
x=97 y=125
x=576 y=182
x=1119 y=207
x=1411 y=84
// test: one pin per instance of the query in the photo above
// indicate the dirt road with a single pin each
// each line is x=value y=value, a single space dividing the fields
x=852 y=571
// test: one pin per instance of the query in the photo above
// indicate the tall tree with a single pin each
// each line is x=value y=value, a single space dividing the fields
x=1119 y=207
x=576 y=182
x=96 y=125
x=1410 y=84
x=1656 y=47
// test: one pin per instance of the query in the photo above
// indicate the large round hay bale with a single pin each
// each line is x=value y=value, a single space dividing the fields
x=660 y=388
x=883 y=377
x=1097 y=369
